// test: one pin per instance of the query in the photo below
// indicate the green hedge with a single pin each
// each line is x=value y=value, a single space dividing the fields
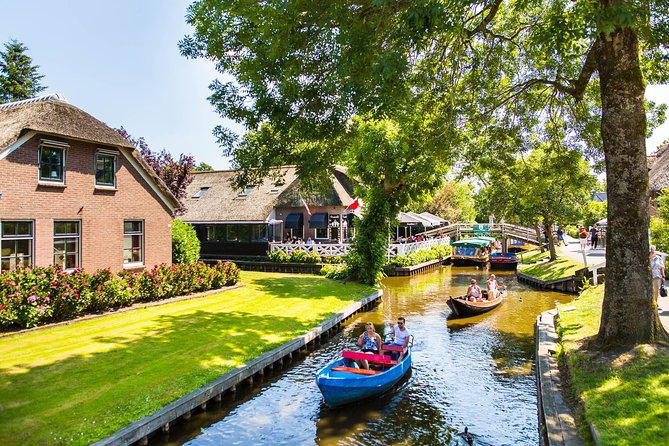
x=35 y=296
x=418 y=257
x=297 y=256
x=185 y=244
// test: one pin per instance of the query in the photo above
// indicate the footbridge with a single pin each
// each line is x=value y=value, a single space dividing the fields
x=504 y=231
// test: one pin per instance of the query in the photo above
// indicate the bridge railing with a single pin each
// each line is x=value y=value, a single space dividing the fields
x=456 y=230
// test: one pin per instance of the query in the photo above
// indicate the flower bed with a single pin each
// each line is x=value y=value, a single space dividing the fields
x=35 y=296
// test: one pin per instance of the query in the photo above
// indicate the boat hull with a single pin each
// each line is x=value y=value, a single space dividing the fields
x=460 y=307
x=504 y=265
x=339 y=388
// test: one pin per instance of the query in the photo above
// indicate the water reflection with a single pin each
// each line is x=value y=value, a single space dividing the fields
x=475 y=372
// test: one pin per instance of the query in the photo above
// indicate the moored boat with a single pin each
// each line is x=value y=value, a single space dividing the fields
x=342 y=382
x=503 y=260
x=462 y=307
x=472 y=251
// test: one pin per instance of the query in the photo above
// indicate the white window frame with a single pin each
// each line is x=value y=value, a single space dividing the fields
x=14 y=237
x=327 y=233
x=114 y=156
x=52 y=145
x=65 y=237
x=131 y=263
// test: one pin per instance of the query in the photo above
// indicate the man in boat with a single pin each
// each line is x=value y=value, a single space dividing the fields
x=474 y=292
x=401 y=336
x=493 y=290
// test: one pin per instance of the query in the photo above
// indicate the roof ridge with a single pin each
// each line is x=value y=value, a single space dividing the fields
x=44 y=98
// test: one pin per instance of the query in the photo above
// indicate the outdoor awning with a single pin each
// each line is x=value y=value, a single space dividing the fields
x=319 y=220
x=408 y=220
x=294 y=221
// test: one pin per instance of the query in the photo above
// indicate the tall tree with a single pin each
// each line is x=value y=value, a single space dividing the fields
x=487 y=75
x=176 y=174
x=19 y=78
x=453 y=201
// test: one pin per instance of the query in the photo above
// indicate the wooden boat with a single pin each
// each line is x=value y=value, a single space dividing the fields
x=503 y=260
x=342 y=382
x=461 y=307
x=472 y=250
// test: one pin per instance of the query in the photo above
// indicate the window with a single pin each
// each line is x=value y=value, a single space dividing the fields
x=66 y=243
x=201 y=192
x=105 y=169
x=321 y=233
x=16 y=244
x=133 y=241
x=246 y=192
x=52 y=161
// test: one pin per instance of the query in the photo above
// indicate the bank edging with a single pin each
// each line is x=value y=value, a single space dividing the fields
x=556 y=419
x=140 y=430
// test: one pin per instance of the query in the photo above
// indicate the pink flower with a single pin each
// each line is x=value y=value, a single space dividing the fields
x=46 y=299
x=40 y=309
x=32 y=298
x=75 y=295
x=54 y=283
x=2 y=307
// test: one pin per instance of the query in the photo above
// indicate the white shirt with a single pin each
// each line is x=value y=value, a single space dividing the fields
x=400 y=335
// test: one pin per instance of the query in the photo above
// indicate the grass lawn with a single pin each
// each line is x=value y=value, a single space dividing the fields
x=625 y=393
x=558 y=269
x=79 y=383
x=533 y=256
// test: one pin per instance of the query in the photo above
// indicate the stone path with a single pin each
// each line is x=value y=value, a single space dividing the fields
x=598 y=256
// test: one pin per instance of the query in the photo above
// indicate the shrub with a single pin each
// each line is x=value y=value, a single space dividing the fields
x=185 y=244
x=334 y=260
x=335 y=272
x=415 y=258
x=34 y=296
x=279 y=257
x=299 y=256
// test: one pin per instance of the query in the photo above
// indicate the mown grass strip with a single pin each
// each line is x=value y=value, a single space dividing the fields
x=560 y=268
x=532 y=256
x=79 y=383
x=625 y=393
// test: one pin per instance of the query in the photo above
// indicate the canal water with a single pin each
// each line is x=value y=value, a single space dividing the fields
x=476 y=372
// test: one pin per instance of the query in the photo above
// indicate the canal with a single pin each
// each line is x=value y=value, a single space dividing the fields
x=476 y=372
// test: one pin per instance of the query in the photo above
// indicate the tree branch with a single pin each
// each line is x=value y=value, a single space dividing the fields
x=486 y=20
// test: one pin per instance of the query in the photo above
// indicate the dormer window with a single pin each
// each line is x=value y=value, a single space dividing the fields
x=274 y=190
x=52 y=161
x=246 y=192
x=201 y=192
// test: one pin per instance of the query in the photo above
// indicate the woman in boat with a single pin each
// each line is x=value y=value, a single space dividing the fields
x=369 y=342
x=474 y=292
x=493 y=290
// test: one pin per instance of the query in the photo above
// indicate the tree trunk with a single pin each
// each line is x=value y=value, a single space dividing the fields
x=629 y=315
x=551 y=241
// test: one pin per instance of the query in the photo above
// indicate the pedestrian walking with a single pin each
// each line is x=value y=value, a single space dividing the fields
x=583 y=237
x=560 y=234
x=595 y=236
x=657 y=271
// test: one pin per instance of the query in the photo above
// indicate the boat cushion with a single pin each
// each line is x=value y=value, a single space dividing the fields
x=341 y=368
x=372 y=358
x=392 y=348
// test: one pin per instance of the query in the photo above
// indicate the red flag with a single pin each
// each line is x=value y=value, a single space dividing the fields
x=355 y=205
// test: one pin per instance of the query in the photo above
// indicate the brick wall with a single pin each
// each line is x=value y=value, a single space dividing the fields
x=101 y=211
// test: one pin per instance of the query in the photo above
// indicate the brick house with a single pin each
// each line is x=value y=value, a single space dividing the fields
x=74 y=193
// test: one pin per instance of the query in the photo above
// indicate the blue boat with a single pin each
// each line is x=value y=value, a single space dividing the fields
x=342 y=382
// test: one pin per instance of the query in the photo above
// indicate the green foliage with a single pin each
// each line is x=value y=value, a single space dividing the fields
x=203 y=167
x=34 y=296
x=659 y=234
x=185 y=244
x=296 y=256
x=336 y=271
x=425 y=255
x=593 y=212
x=454 y=202
x=19 y=78
x=663 y=205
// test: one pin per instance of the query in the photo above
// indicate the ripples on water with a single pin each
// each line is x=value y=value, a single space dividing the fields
x=476 y=372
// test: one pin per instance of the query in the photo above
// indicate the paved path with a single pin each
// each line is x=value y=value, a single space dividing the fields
x=598 y=257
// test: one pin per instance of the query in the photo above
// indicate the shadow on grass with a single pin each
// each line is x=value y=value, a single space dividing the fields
x=89 y=396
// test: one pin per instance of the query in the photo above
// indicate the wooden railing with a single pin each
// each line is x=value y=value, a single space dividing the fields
x=457 y=230
x=342 y=249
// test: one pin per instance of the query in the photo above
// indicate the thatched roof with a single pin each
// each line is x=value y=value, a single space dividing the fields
x=53 y=115
x=659 y=169
x=221 y=203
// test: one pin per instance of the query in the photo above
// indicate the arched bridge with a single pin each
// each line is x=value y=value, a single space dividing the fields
x=501 y=230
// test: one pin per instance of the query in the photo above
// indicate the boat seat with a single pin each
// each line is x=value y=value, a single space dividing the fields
x=341 y=368
x=392 y=348
x=371 y=358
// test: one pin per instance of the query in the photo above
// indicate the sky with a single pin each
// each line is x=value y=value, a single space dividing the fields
x=119 y=61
